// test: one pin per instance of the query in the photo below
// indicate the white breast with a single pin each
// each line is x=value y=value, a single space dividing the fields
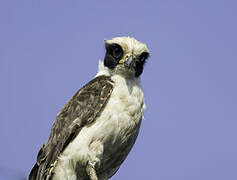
x=119 y=120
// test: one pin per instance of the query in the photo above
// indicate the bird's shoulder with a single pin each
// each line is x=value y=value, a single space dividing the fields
x=84 y=106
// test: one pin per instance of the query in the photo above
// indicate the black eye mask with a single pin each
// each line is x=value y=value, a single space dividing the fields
x=114 y=53
x=140 y=63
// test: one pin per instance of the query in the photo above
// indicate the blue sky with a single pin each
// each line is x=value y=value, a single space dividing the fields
x=49 y=49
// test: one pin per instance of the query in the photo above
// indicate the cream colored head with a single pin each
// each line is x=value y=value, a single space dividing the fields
x=130 y=46
x=126 y=51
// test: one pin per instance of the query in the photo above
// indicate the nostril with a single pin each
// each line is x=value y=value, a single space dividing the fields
x=129 y=61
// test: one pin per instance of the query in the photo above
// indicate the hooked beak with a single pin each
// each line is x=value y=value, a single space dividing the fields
x=129 y=62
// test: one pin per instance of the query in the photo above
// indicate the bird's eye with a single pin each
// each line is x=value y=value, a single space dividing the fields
x=114 y=50
x=142 y=59
x=144 y=56
x=117 y=52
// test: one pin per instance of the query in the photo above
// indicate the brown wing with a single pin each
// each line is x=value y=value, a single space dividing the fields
x=80 y=111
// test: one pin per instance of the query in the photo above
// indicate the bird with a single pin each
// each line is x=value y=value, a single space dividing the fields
x=96 y=129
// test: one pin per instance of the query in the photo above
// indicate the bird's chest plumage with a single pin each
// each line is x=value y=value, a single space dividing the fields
x=121 y=122
x=124 y=109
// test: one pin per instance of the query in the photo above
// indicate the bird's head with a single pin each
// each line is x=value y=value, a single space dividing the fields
x=125 y=55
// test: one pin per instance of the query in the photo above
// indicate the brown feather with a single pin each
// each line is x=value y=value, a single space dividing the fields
x=81 y=110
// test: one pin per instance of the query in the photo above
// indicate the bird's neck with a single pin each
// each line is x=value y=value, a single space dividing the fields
x=103 y=70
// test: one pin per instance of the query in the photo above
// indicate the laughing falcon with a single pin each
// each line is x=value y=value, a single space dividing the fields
x=96 y=129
